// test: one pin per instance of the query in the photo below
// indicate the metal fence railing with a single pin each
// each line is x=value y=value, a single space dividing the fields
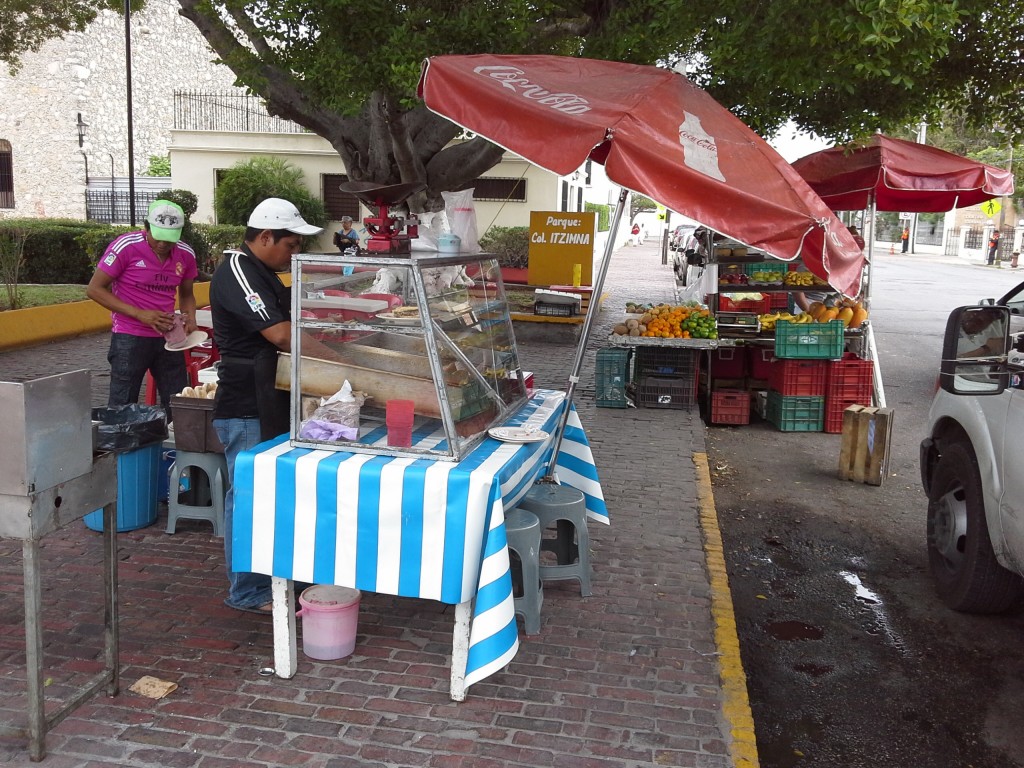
x=113 y=206
x=196 y=111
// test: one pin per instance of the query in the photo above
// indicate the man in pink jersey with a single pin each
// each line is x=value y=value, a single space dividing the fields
x=138 y=279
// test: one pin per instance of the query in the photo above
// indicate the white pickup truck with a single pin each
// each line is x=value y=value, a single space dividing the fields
x=972 y=461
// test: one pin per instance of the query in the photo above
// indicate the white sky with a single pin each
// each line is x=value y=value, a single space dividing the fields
x=793 y=144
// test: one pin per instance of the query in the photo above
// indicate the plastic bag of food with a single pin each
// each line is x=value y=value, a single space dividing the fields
x=337 y=417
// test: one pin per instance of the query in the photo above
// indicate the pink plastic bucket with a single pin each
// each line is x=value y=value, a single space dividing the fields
x=330 y=615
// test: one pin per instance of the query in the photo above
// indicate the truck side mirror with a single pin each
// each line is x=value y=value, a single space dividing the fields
x=974 y=351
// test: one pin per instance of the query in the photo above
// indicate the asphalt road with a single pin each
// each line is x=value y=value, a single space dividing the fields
x=851 y=658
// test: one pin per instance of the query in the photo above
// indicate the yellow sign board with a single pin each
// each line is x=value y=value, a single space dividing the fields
x=991 y=207
x=558 y=242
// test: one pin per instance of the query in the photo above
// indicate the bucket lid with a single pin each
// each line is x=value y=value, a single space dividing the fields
x=329 y=596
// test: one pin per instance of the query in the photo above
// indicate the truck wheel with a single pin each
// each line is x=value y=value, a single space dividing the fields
x=967 y=575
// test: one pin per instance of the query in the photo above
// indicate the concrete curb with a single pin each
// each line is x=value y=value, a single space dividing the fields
x=735 y=703
x=39 y=325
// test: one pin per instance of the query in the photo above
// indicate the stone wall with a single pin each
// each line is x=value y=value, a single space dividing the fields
x=85 y=73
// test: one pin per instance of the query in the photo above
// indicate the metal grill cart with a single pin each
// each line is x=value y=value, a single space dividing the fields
x=431 y=329
x=49 y=477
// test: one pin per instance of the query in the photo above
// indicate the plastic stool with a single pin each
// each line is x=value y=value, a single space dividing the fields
x=522 y=530
x=567 y=508
x=216 y=468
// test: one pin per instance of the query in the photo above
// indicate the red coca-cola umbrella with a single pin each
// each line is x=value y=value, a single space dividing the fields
x=898 y=175
x=656 y=134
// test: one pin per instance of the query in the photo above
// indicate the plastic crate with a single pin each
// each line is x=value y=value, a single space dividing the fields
x=757 y=306
x=760 y=365
x=730 y=406
x=850 y=378
x=554 y=310
x=778 y=300
x=666 y=391
x=796 y=414
x=809 y=340
x=611 y=374
x=834 y=409
x=729 y=362
x=803 y=378
x=665 y=361
x=765 y=266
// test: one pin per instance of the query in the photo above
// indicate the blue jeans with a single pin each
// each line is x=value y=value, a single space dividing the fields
x=245 y=590
x=131 y=356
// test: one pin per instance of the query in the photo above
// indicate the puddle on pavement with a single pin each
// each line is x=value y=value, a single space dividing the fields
x=872 y=608
x=793 y=630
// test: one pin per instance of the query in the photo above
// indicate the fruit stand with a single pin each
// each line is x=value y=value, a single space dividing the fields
x=751 y=349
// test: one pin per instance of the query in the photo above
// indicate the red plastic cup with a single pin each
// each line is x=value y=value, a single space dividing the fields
x=399 y=417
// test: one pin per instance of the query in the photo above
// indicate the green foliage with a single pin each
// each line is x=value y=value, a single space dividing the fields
x=159 y=165
x=217 y=239
x=248 y=183
x=603 y=214
x=638 y=203
x=12 y=259
x=44 y=295
x=511 y=245
x=60 y=250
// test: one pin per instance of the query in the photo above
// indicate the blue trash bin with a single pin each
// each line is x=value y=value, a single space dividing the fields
x=138 y=479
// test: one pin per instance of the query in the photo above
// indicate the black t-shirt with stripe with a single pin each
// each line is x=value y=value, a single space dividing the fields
x=246 y=297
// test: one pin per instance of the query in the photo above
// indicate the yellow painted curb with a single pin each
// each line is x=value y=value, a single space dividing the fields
x=736 y=704
x=39 y=325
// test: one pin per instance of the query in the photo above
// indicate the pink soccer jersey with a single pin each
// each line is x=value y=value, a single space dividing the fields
x=142 y=281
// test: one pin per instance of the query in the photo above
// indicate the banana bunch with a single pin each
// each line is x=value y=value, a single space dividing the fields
x=768 y=321
x=802 y=279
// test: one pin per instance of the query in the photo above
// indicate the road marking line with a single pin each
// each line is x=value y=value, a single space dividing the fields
x=736 y=704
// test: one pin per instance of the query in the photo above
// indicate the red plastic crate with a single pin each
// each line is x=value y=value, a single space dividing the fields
x=760 y=307
x=834 y=413
x=761 y=362
x=729 y=363
x=730 y=406
x=798 y=378
x=850 y=378
x=778 y=300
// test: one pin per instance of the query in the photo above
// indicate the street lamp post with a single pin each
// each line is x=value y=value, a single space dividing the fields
x=112 y=195
x=131 y=141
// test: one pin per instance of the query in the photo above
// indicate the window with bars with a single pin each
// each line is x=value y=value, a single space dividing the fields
x=500 y=189
x=6 y=175
x=338 y=203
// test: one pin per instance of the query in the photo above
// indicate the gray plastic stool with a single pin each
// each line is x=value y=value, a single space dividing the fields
x=567 y=508
x=522 y=530
x=216 y=468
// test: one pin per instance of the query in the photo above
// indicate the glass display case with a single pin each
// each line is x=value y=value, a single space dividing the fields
x=427 y=333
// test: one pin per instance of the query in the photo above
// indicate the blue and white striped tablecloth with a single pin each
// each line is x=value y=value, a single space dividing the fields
x=404 y=526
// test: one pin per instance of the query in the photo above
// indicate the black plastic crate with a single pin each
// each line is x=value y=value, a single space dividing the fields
x=666 y=361
x=611 y=374
x=554 y=310
x=666 y=391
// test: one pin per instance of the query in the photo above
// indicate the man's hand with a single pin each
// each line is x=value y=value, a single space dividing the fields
x=161 y=322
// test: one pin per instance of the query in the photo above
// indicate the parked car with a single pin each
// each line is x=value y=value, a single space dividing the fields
x=677 y=240
x=970 y=459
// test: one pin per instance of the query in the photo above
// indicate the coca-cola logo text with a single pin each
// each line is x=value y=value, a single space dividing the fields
x=703 y=142
x=515 y=80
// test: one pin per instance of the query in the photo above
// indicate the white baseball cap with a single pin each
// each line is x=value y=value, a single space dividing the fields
x=275 y=213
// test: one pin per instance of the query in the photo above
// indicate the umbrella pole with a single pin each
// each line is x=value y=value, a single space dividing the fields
x=588 y=321
x=876 y=369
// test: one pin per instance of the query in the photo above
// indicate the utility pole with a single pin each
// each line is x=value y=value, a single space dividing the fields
x=922 y=131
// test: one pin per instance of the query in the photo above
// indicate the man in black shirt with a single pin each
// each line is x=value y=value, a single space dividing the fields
x=251 y=322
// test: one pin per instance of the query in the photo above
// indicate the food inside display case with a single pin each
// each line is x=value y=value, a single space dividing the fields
x=431 y=330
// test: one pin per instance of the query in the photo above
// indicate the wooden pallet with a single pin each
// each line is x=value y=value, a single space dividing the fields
x=864 y=453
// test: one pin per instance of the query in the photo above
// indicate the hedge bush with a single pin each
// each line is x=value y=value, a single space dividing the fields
x=511 y=245
x=249 y=182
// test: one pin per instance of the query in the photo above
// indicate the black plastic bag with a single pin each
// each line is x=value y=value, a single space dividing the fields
x=127 y=427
